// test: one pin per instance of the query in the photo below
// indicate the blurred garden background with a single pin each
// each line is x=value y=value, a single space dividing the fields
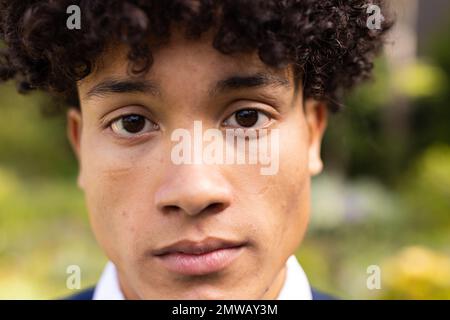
x=383 y=199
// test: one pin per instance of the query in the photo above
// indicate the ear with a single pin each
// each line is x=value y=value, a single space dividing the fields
x=74 y=129
x=316 y=114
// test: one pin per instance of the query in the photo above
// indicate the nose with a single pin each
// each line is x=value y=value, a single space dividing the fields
x=193 y=189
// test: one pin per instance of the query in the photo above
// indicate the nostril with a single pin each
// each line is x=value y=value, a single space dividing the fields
x=211 y=208
x=171 y=208
x=215 y=207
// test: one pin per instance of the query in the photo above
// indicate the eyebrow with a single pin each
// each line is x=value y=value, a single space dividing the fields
x=109 y=86
x=237 y=82
x=234 y=82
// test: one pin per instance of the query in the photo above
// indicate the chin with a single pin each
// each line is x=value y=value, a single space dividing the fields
x=207 y=295
x=204 y=292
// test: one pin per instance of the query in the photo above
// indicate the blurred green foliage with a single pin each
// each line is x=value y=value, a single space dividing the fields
x=33 y=144
x=43 y=220
x=385 y=196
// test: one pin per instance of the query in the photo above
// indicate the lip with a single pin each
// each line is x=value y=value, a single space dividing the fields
x=189 y=257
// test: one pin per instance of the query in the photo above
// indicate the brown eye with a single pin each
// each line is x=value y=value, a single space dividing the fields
x=131 y=125
x=247 y=118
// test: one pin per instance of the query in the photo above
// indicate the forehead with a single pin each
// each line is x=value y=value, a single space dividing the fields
x=182 y=60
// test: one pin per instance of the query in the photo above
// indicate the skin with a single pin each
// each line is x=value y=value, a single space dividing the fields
x=139 y=201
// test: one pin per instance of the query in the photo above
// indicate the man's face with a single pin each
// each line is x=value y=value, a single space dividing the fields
x=238 y=225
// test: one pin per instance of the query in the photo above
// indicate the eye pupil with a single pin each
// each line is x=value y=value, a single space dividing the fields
x=133 y=123
x=247 y=118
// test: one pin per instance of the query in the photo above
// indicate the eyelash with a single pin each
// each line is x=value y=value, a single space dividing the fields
x=109 y=124
x=259 y=111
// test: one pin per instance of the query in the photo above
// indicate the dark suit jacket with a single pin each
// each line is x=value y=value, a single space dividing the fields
x=89 y=293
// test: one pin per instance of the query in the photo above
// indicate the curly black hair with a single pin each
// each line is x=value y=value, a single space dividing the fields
x=326 y=41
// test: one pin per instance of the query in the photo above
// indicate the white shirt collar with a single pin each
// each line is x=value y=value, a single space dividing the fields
x=296 y=285
x=108 y=287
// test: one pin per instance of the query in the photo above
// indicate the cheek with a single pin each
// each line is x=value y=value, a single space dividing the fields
x=290 y=195
x=288 y=192
x=277 y=206
x=296 y=179
x=119 y=196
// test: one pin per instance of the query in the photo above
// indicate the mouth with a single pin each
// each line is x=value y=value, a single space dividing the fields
x=188 y=257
